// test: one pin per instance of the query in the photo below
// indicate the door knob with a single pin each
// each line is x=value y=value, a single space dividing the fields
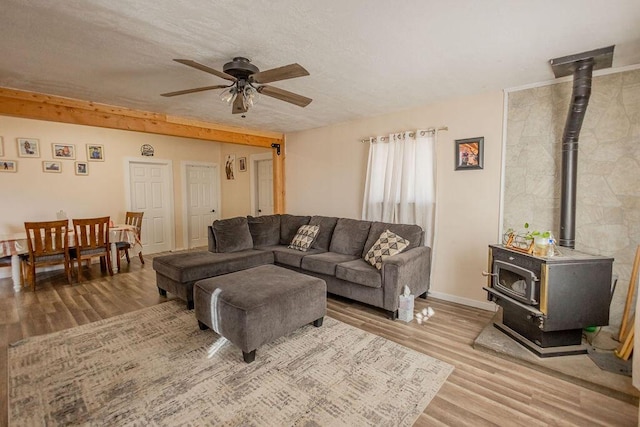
x=259 y=210
x=213 y=210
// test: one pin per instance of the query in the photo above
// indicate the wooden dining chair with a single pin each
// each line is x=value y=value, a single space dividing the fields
x=48 y=244
x=135 y=219
x=91 y=241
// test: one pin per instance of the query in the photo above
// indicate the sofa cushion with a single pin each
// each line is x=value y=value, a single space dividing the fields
x=413 y=233
x=361 y=272
x=265 y=230
x=185 y=267
x=289 y=257
x=304 y=237
x=350 y=236
x=327 y=224
x=387 y=245
x=325 y=262
x=289 y=225
x=232 y=235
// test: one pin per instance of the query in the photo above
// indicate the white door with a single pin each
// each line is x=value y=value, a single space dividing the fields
x=151 y=186
x=202 y=202
x=264 y=187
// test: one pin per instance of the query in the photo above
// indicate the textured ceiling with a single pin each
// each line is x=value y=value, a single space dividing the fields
x=365 y=58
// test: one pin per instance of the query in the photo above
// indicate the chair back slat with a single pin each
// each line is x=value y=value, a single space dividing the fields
x=48 y=244
x=47 y=237
x=135 y=219
x=91 y=233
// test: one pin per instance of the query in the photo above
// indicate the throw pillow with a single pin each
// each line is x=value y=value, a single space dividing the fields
x=304 y=237
x=387 y=245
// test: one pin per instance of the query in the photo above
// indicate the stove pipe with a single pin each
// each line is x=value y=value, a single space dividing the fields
x=577 y=110
x=581 y=66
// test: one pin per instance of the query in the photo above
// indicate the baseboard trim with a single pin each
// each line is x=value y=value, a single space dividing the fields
x=489 y=306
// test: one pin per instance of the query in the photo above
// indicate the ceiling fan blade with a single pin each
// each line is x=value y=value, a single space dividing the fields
x=238 y=105
x=281 y=73
x=285 y=95
x=197 y=89
x=206 y=69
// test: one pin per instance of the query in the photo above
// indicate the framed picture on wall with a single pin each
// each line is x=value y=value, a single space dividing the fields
x=8 y=166
x=82 y=168
x=230 y=165
x=51 y=166
x=242 y=164
x=1 y=147
x=28 y=147
x=63 y=151
x=95 y=153
x=469 y=153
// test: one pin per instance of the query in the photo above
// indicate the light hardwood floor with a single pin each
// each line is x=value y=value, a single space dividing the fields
x=483 y=390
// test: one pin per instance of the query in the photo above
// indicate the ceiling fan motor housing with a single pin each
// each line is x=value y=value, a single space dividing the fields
x=240 y=68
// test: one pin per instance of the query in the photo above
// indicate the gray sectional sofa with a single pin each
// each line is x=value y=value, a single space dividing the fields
x=336 y=256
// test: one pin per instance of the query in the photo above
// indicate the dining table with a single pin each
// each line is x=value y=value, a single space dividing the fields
x=123 y=233
x=15 y=244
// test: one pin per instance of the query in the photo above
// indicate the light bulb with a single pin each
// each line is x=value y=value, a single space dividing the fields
x=228 y=95
x=250 y=96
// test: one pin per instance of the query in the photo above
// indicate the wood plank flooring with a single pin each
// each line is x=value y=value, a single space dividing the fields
x=483 y=390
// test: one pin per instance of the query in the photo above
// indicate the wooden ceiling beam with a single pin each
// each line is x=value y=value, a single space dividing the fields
x=38 y=106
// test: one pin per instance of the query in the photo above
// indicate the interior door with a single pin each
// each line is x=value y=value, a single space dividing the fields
x=202 y=202
x=264 y=187
x=150 y=185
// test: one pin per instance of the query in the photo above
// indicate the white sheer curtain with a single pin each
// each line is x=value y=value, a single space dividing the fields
x=400 y=184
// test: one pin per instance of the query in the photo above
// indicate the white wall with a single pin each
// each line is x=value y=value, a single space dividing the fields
x=32 y=195
x=326 y=169
x=236 y=195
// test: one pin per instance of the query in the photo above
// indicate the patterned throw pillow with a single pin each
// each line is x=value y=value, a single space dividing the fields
x=388 y=244
x=304 y=237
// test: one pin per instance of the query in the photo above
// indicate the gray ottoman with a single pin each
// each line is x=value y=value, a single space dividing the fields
x=256 y=306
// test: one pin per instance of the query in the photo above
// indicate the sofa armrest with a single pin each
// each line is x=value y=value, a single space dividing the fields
x=411 y=268
x=211 y=240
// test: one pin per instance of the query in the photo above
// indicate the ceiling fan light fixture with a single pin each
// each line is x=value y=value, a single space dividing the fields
x=250 y=95
x=229 y=95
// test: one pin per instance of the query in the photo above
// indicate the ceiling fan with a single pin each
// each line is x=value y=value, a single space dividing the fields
x=247 y=82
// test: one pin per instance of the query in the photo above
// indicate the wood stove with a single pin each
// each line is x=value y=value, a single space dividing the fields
x=547 y=301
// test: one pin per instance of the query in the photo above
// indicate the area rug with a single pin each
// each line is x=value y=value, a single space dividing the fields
x=156 y=367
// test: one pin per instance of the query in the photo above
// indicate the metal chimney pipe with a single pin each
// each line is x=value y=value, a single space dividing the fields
x=579 y=101
x=581 y=66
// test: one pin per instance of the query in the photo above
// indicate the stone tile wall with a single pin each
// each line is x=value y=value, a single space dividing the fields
x=608 y=192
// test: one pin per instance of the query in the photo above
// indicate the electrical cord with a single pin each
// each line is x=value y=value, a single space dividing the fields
x=590 y=337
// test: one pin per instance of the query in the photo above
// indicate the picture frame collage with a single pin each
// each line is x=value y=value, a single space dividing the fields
x=60 y=152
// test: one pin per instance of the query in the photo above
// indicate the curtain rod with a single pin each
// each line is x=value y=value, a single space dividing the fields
x=384 y=138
